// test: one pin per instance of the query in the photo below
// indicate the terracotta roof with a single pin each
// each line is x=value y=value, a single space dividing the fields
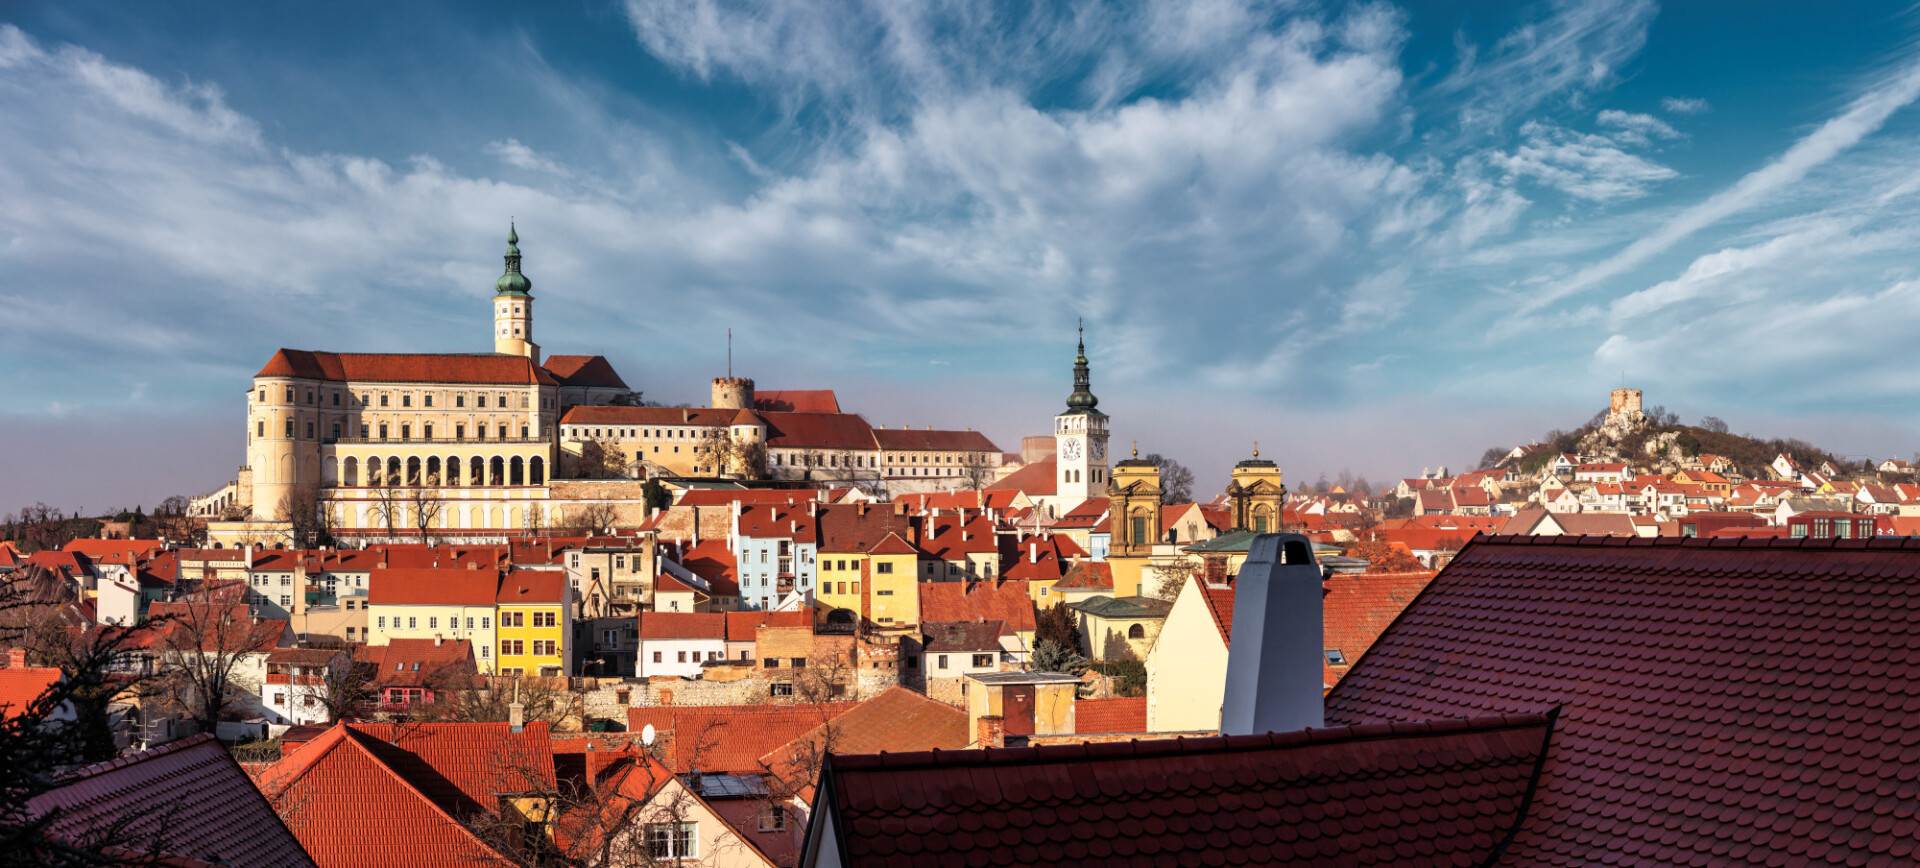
x=1036 y=478
x=683 y=625
x=744 y=626
x=587 y=371
x=1219 y=600
x=962 y=636
x=728 y=497
x=358 y=798
x=187 y=800
x=728 y=738
x=796 y=401
x=448 y=586
x=922 y=440
x=942 y=537
x=127 y=550
x=1116 y=714
x=1310 y=798
x=477 y=369
x=818 y=431
x=20 y=686
x=714 y=561
x=1357 y=607
x=844 y=529
x=529 y=587
x=892 y=544
x=665 y=417
x=211 y=626
x=1741 y=701
x=416 y=662
x=895 y=721
x=977 y=601
x=1087 y=574
x=778 y=521
x=303 y=656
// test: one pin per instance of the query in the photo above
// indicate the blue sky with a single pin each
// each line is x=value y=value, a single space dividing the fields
x=1371 y=236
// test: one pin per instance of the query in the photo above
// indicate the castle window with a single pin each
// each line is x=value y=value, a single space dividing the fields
x=459 y=400
x=406 y=432
x=263 y=396
x=259 y=429
x=383 y=430
x=503 y=432
x=426 y=432
x=459 y=432
x=503 y=402
x=309 y=430
x=289 y=394
x=406 y=400
x=336 y=430
x=523 y=432
x=383 y=399
x=426 y=400
x=309 y=397
x=289 y=429
x=363 y=430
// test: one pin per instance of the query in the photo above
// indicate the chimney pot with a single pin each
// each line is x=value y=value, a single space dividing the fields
x=1275 y=668
x=517 y=717
x=990 y=730
x=16 y=658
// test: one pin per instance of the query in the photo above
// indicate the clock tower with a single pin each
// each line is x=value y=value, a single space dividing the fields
x=1080 y=440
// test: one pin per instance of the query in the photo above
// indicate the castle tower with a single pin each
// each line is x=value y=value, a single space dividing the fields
x=1080 y=439
x=1256 y=494
x=513 y=306
x=1134 y=501
x=732 y=393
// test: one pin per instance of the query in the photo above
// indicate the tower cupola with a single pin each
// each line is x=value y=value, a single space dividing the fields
x=1082 y=399
x=512 y=282
x=513 y=306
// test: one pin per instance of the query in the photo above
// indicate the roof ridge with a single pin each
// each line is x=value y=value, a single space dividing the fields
x=1205 y=745
x=121 y=762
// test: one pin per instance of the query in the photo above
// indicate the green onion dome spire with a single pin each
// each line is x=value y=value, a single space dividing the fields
x=513 y=282
x=1082 y=400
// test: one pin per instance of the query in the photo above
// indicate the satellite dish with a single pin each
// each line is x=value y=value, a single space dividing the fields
x=646 y=735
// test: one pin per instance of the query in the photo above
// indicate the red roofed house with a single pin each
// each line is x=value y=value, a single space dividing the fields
x=410 y=673
x=677 y=643
x=21 y=684
x=420 y=794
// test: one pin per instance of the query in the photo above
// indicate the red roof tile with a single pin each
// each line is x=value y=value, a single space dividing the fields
x=661 y=416
x=532 y=587
x=744 y=626
x=796 y=401
x=587 y=371
x=20 y=686
x=683 y=625
x=1118 y=714
x=187 y=800
x=1040 y=477
x=923 y=440
x=895 y=721
x=1307 y=798
x=728 y=738
x=417 y=662
x=450 y=586
x=1357 y=608
x=977 y=601
x=478 y=369
x=1219 y=600
x=727 y=497
x=818 y=431
x=1725 y=701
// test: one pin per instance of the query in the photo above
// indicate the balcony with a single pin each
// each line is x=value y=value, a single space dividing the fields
x=304 y=680
x=437 y=441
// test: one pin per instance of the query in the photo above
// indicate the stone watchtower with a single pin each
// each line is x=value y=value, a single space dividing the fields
x=732 y=393
x=513 y=306
x=1625 y=402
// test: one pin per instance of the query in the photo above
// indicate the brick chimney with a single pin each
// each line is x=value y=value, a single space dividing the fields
x=1275 y=667
x=990 y=730
x=517 y=717
x=16 y=658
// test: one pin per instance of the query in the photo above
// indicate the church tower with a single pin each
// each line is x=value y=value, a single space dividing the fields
x=1257 y=495
x=1080 y=440
x=513 y=307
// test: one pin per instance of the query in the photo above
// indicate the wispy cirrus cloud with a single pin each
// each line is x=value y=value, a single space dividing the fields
x=1685 y=105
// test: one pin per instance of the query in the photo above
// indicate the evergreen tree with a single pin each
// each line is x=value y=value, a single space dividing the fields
x=1056 y=624
x=1049 y=657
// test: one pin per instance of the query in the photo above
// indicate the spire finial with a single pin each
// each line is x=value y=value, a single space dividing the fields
x=1136 y=448
x=513 y=235
x=1256 y=449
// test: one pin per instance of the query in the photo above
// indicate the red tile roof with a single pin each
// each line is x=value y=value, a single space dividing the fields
x=187 y=802
x=1087 y=574
x=1040 y=477
x=478 y=369
x=1306 y=798
x=728 y=497
x=126 y=550
x=713 y=560
x=359 y=801
x=844 y=529
x=1725 y=701
x=728 y=738
x=1219 y=600
x=796 y=401
x=818 y=431
x=897 y=720
x=661 y=416
x=744 y=626
x=1118 y=714
x=532 y=587
x=448 y=586
x=417 y=662
x=588 y=371
x=977 y=601
x=683 y=625
x=20 y=686
x=892 y=544
x=1357 y=608
x=922 y=440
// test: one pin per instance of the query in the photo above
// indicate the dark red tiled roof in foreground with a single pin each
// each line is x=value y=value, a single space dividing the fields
x=184 y=801
x=1725 y=701
x=1456 y=791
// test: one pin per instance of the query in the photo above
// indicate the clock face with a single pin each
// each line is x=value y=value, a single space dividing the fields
x=1099 y=450
x=1070 y=449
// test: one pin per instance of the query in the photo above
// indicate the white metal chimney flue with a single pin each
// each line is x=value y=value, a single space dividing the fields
x=1275 y=670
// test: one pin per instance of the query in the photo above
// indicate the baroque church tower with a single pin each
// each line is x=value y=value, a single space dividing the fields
x=1080 y=439
x=513 y=307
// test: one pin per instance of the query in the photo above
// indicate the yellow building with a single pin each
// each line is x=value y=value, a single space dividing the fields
x=893 y=584
x=535 y=624
x=1256 y=495
x=1133 y=507
x=434 y=603
x=1187 y=666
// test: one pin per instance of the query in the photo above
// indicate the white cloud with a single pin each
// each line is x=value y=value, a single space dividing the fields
x=520 y=156
x=1685 y=105
x=1574 y=48
x=1583 y=165
x=1637 y=129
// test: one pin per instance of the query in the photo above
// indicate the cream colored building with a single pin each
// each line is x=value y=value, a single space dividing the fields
x=1187 y=667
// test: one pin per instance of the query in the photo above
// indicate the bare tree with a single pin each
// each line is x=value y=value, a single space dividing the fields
x=389 y=506
x=602 y=458
x=206 y=638
x=491 y=700
x=345 y=688
x=976 y=471
x=1167 y=578
x=308 y=517
x=1176 y=481
x=424 y=506
x=592 y=518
